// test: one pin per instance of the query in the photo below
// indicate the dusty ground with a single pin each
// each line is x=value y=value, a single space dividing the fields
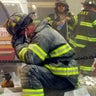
x=87 y=88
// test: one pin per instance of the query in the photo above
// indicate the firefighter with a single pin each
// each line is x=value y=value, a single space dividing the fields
x=7 y=82
x=48 y=57
x=60 y=19
x=85 y=36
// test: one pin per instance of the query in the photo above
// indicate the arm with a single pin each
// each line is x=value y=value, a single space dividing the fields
x=34 y=52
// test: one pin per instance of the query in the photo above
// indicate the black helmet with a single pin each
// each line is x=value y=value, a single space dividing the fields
x=18 y=22
x=63 y=3
x=7 y=76
x=89 y=3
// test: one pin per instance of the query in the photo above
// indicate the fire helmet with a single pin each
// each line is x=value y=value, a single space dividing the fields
x=89 y=3
x=63 y=3
x=18 y=22
x=7 y=76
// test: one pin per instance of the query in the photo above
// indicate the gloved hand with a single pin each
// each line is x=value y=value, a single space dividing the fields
x=17 y=40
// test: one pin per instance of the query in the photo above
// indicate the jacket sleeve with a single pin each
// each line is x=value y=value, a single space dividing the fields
x=44 y=45
x=51 y=20
x=33 y=53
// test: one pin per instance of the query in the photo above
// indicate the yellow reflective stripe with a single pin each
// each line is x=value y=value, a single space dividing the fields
x=28 y=94
x=85 y=68
x=48 y=18
x=87 y=24
x=76 y=44
x=36 y=21
x=75 y=21
x=70 y=27
x=17 y=18
x=63 y=71
x=61 y=50
x=80 y=45
x=85 y=38
x=38 y=51
x=33 y=92
x=13 y=24
x=72 y=42
x=94 y=23
x=21 y=53
x=50 y=21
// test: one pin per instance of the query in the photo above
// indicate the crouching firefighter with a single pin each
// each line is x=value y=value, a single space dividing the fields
x=48 y=57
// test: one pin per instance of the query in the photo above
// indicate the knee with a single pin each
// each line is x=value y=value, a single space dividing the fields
x=25 y=71
x=25 y=74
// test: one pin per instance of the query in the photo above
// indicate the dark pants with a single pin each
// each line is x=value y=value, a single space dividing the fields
x=35 y=77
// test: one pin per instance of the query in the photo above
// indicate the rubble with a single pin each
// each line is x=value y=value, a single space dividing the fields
x=82 y=91
x=10 y=91
x=87 y=80
x=87 y=87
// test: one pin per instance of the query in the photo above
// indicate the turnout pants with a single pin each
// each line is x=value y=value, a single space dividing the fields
x=35 y=78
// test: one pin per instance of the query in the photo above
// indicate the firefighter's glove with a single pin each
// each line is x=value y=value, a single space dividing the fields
x=17 y=40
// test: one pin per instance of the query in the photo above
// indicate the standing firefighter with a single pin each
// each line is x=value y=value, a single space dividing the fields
x=60 y=20
x=85 y=36
x=48 y=57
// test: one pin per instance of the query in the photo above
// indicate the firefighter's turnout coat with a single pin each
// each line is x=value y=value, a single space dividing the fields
x=85 y=38
x=50 y=50
x=66 y=28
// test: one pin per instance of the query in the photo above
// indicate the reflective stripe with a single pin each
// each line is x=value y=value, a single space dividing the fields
x=36 y=21
x=35 y=48
x=94 y=23
x=76 y=44
x=87 y=24
x=48 y=18
x=22 y=52
x=80 y=45
x=75 y=21
x=18 y=18
x=61 y=50
x=33 y=92
x=72 y=42
x=85 y=38
x=63 y=71
x=50 y=21
x=70 y=27
x=85 y=68
x=13 y=24
x=38 y=51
